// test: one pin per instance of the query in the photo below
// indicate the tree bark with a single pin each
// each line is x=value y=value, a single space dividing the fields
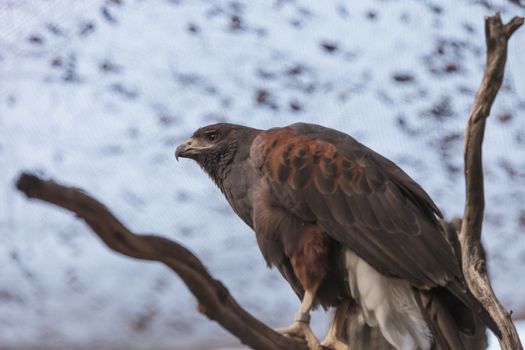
x=473 y=258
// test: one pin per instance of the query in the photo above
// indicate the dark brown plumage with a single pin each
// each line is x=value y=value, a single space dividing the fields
x=313 y=195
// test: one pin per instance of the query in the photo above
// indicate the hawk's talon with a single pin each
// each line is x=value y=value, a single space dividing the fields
x=334 y=343
x=301 y=330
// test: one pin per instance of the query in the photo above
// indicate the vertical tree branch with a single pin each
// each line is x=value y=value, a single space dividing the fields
x=473 y=259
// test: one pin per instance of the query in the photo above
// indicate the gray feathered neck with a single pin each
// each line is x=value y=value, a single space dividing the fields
x=217 y=164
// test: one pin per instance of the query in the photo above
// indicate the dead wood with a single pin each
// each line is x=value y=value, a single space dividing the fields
x=473 y=258
x=214 y=299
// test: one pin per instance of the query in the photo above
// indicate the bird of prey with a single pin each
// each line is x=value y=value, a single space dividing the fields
x=344 y=225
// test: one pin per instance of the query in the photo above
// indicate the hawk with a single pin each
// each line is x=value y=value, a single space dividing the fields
x=344 y=225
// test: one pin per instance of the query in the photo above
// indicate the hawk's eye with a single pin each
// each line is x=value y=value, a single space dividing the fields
x=212 y=136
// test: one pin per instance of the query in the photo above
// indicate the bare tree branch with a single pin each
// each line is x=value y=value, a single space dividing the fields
x=215 y=301
x=473 y=259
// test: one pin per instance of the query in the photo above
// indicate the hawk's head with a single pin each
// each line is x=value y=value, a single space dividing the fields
x=214 y=147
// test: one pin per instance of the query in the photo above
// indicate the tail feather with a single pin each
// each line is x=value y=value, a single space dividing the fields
x=451 y=230
x=467 y=298
x=453 y=325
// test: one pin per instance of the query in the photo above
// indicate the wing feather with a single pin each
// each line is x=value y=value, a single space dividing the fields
x=359 y=198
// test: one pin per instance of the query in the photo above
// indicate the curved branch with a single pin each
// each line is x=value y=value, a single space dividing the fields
x=215 y=301
x=473 y=259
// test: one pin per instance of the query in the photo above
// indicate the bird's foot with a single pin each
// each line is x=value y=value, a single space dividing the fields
x=332 y=342
x=301 y=330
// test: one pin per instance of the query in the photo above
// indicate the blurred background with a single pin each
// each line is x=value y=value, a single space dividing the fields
x=97 y=94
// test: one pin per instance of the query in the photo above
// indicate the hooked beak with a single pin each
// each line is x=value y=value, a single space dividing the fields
x=189 y=149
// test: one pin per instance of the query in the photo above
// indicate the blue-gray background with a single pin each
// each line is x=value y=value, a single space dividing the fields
x=99 y=93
